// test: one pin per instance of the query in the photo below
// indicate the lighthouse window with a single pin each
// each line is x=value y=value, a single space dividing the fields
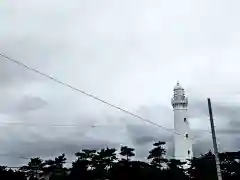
x=186 y=135
x=185 y=119
x=188 y=152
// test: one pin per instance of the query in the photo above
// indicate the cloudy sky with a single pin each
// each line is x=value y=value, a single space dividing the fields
x=130 y=53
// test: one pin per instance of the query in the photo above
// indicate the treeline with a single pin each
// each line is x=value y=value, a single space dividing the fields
x=110 y=164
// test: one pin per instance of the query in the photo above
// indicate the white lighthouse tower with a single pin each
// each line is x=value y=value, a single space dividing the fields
x=182 y=138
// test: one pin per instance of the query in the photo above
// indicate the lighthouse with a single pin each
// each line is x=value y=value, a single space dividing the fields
x=182 y=137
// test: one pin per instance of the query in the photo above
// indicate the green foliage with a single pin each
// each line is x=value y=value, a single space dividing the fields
x=33 y=168
x=156 y=155
x=127 y=152
x=104 y=165
x=176 y=170
x=58 y=172
x=203 y=167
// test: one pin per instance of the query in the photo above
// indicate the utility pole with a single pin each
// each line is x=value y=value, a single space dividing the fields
x=219 y=174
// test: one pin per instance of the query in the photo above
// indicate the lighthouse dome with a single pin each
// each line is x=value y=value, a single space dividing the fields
x=178 y=87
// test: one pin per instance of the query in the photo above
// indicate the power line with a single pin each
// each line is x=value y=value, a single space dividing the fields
x=81 y=91
x=79 y=125
x=86 y=94
x=48 y=125
x=75 y=126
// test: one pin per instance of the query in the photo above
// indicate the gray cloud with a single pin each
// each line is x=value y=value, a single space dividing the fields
x=30 y=104
x=145 y=140
x=49 y=149
x=25 y=104
x=130 y=55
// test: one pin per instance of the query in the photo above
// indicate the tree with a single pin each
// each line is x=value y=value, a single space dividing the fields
x=104 y=165
x=103 y=161
x=83 y=167
x=176 y=170
x=58 y=171
x=127 y=152
x=33 y=168
x=3 y=172
x=156 y=155
x=203 y=167
x=106 y=157
x=230 y=165
x=10 y=174
x=3 y=168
